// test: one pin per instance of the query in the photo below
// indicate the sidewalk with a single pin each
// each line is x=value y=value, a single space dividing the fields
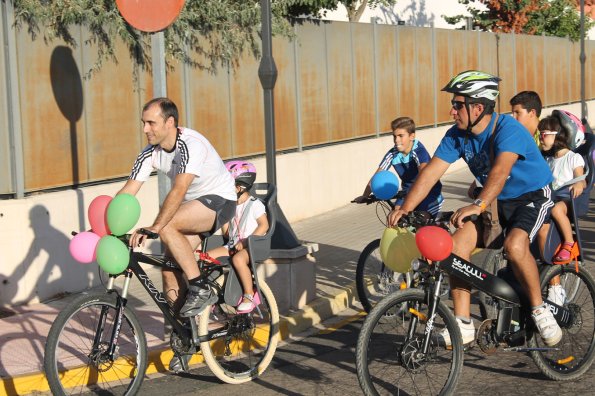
x=341 y=235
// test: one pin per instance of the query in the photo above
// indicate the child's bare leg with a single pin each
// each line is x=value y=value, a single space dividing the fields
x=560 y=216
x=218 y=252
x=240 y=262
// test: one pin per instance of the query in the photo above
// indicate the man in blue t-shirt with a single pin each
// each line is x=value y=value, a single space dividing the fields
x=518 y=177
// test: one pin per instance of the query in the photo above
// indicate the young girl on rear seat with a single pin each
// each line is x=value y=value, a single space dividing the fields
x=565 y=165
x=250 y=219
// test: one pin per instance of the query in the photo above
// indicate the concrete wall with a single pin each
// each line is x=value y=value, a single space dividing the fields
x=34 y=232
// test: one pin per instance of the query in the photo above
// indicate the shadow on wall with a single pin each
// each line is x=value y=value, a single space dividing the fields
x=67 y=88
x=415 y=14
x=48 y=242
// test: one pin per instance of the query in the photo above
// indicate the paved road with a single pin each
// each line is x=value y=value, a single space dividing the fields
x=323 y=363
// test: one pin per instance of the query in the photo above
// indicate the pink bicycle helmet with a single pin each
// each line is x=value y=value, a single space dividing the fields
x=575 y=128
x=243 y=172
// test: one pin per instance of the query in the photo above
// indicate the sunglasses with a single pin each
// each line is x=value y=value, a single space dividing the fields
x=543 y=134
x=457 y=105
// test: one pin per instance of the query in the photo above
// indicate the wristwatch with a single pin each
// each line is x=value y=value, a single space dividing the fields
x=481 y=203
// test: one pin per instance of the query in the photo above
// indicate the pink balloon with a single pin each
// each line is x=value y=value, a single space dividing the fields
x=97 y=215
x=82 y=246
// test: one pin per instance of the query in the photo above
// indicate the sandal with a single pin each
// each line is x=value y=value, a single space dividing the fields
x=564 y=253
x=567 y=253
x=248 y=306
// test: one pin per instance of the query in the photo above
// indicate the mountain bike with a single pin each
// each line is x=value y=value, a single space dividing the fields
x=97 y=344
x=401 y=354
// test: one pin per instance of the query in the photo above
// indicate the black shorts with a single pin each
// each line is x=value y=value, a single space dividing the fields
x=224 y=210
x=527 y=212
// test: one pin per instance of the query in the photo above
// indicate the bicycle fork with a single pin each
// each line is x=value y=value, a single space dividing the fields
x=433 y=301
x=120 y=306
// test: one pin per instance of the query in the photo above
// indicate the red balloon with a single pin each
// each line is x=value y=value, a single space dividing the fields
x=98 y=215
x=433 y=242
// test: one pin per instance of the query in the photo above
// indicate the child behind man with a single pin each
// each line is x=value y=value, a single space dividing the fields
x=408 y=157
x=566 y=165
x=250 y=219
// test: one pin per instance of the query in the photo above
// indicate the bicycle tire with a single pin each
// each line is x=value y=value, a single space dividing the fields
x=492 y=263
x=71 y=365
x=252 y=343
x=575 y=352
x=373 y=280
x=386 y=357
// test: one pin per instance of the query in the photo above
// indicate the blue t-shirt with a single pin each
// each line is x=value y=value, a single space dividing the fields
x=407 y=167
x=529 y=173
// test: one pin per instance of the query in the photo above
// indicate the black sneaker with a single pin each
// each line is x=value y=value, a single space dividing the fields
x=197 y=299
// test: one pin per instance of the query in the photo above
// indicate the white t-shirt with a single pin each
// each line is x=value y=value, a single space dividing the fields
x=255 y=210
x=193 y=154
x=563 y=168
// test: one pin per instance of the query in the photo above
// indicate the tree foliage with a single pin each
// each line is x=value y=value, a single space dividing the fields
x=207 y=33
x=551 y=17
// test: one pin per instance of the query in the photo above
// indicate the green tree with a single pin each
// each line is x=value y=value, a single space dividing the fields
x=207 y=33
x=551 y=17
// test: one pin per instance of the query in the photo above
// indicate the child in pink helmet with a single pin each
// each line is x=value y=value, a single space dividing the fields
x=250 y=219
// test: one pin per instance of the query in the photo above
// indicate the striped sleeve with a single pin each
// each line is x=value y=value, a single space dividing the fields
x=184 y=156
x=142 y=168
x=388 y=159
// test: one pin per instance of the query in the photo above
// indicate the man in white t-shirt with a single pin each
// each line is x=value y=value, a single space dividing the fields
x=202 y=198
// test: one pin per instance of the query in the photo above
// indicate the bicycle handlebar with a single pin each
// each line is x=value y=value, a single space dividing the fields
x=149 y=234
x=422 y=218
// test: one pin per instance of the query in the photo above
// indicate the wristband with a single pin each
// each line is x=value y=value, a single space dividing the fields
x=481 y=203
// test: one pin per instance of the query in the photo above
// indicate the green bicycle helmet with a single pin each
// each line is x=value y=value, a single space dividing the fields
x=476 y=87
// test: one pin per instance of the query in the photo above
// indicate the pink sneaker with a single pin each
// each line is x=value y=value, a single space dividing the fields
x=248 y=306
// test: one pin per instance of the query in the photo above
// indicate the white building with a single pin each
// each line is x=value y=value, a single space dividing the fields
x=426 y=13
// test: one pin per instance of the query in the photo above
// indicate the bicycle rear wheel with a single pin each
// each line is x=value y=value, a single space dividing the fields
x=373 y=279
x=575 y=353
x=244 y=344
x=76 y=356
x=389 y=359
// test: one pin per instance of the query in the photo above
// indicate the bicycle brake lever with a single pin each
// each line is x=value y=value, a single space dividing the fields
x=149 y=234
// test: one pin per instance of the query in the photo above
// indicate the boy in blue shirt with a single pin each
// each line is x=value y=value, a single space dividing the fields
x=408 y=157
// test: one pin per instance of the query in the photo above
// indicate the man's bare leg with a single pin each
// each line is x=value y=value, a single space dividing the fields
x=516 y=246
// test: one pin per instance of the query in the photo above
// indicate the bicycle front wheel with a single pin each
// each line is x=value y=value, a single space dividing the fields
x=373 y=279
x=77 y=351
x=575 y=353
x=389 y=355
x=240 y=346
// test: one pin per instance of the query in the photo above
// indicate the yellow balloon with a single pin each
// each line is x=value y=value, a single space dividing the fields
x=398 y=248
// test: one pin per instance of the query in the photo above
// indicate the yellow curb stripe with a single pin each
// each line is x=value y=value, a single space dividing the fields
x=158 y=360
x=343 y=322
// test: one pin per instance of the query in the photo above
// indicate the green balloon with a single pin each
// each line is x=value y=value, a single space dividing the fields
x=122 y=213
x=112 y=255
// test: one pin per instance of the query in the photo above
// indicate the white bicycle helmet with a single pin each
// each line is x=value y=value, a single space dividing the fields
x=474 y=84
x=476 y=87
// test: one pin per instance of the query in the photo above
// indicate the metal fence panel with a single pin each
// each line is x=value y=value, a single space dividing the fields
x=313 y=88
x=6 y=182
x=339 y=61
x=386 y=58
x=286 y=102
x=364 y=106
x=110 y=116
x=53 y=129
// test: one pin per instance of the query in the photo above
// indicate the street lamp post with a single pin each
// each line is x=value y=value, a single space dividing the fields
x=583 y=58
x=267 y=72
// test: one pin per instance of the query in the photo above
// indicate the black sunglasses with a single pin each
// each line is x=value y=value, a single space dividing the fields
x=457 y=105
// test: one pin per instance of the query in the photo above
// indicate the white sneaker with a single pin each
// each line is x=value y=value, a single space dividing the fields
x=467 y=331
x=556 y=294
x=550 y=332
